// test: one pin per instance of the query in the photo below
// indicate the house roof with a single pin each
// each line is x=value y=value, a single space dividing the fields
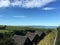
x=30 y=35
x=19 y=39
x=38 y=33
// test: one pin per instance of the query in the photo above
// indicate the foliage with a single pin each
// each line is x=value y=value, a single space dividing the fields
x=2 y=27
x=5 y=39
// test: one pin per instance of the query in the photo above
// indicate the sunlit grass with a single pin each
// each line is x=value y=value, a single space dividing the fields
x=3 y=31
x=48 y=39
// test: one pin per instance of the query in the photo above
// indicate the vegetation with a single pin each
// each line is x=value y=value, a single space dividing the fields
x=58 y=38
x=6 y=33
x=5 y=39
x=48 y=39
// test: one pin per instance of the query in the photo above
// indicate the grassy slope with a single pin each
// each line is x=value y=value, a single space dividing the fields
x=58 y=38
x=49 y=39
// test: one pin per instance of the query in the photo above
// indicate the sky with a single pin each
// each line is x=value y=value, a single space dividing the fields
x=30 y=12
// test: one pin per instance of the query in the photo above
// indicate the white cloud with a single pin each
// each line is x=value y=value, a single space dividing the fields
x=19 y=16
x=36 y=3
x=4 y=3
x=16 y=3
x=25 y=3
x=48 y=8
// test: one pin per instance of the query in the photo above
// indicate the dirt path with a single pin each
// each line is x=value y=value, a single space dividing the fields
x=55 y=38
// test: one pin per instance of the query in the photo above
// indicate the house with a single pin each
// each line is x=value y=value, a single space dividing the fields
x=19 y=40
x=28 y=42
x=36 y=39
x=30 y=35
x=39 y=36
x=29 y=39
x=42 y=35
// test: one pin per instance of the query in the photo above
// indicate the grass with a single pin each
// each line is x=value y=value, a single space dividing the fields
x=48 y=39
x=3 y=31
x=58 y=38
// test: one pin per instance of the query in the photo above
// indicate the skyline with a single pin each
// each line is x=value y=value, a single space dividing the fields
x=30 y=12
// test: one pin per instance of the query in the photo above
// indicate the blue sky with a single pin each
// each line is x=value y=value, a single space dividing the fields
x=30 y=12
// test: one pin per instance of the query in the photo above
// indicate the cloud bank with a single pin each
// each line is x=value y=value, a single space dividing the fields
x=25 y=3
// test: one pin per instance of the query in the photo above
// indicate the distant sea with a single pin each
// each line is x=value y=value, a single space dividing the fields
x=44 y=26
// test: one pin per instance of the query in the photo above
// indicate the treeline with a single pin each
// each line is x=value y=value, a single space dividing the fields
x=3 y=27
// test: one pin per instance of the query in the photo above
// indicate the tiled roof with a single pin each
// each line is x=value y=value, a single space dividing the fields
x=20 y=40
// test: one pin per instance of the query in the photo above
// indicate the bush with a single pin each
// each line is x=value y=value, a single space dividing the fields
x=19 y=32
x=3 y=27
x=1 y=35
